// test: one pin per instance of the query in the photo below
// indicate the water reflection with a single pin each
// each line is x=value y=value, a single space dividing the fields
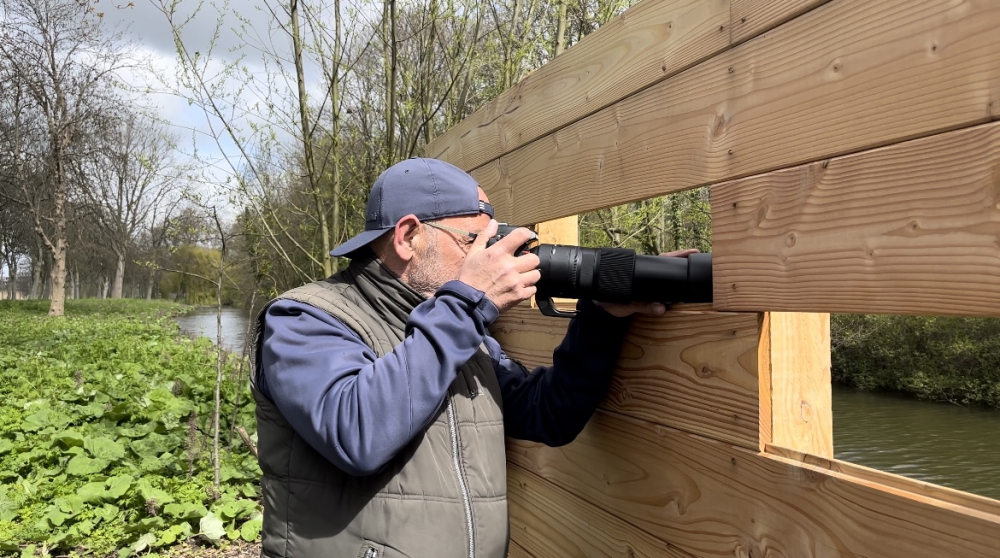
x=957 y=447
x=203 y=322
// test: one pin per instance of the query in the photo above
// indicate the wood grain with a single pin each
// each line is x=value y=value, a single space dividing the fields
x=693 y=370
x=753 y=17
x=646 y=44
x=517 y=551
x=846 y=77
x=548 y=521
x=796 y=355
x=944 y=495
x=912 y=228
x=714 y=499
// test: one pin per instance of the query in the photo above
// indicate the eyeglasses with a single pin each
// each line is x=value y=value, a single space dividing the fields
x=470 y=235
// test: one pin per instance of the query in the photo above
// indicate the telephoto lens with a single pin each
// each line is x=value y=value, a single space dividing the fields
x=615 y=275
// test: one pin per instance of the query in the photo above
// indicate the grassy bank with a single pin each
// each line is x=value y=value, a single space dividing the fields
x=105 y=433
x=956 y=360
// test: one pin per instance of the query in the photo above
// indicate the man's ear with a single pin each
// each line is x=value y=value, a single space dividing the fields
x=407 y=237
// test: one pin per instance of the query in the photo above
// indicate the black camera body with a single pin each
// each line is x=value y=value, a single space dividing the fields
x=614 y=275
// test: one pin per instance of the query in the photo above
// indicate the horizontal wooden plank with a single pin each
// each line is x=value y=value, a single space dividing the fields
x=944 y=495
x=911 y=228
x=841 y=78
x=548 y=521
x=693 y=370
x=517 y=551
x=753 y=17
x=715 y=499
x=646 y=44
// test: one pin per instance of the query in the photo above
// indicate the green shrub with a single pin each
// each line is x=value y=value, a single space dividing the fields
x=105 y=432
x=942 y=359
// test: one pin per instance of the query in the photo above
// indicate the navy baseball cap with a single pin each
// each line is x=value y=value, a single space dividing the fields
x=428 y=188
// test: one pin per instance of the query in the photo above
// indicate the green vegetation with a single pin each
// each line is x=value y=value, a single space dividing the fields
x=941 y=359
x=105 y=433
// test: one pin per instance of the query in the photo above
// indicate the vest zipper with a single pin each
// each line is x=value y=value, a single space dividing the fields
x=461 y=478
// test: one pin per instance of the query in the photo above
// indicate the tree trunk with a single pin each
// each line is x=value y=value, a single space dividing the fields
x=389 y=29
x=57 y=305
x=335 y=132
x=12 y=286
x=307 y=145
x=561 y=29
x=118 y=286
x=149 y=288
x=36 y=273
x=58 y=243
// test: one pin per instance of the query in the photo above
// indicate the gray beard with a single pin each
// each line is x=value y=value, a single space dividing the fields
x=426 y=276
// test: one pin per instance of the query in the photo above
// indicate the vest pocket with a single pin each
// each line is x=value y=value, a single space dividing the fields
x=370 y=549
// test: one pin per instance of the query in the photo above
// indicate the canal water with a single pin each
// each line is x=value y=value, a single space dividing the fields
x=957 y=447
x=203 y=322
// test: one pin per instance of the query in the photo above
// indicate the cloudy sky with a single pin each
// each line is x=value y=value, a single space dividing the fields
x=148 y=27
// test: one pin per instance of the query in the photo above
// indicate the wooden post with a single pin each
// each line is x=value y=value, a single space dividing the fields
x=795 y=399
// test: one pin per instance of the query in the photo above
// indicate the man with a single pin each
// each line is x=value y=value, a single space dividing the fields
x=382 y=400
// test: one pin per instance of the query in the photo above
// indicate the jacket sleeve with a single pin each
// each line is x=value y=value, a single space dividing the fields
x=552 y=405
x=354 y=408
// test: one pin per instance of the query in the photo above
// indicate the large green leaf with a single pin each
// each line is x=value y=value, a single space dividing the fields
x=104 y=448
x=8 y=507
x=234 y=509
x=150 y=492
x=250 y=530
x=6 y=446
x=107 y=513
x=72 y=505
x=152 y=445
x=83 y=466
x=44 y=418
x=93 y=492
x=68 y=439
x=144 y=542
x=212 y=527
x=118 y=485
x=186 y=510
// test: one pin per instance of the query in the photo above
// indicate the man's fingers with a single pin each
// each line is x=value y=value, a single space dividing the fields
x=680 y=253
x=483 y=237
x=515 y=239
x=527 y=262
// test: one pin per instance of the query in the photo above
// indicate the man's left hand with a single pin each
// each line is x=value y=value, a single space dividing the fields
x=647 y=308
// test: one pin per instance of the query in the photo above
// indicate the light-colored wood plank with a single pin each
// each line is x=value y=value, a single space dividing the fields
x=714 y=499
x=693 y=370
x=517 y=551
x=796 y=355
x=874 y=477
x=842 y=78
x=646 y=44
x=548 y=521
x=753 y=17
x=908 y=229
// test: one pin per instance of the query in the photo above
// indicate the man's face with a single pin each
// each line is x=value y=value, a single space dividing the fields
x=442 y=255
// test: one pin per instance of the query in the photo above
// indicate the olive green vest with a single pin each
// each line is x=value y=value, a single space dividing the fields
x=443 y=496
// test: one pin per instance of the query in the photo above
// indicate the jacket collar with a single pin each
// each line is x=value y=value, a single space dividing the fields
x=389 y=296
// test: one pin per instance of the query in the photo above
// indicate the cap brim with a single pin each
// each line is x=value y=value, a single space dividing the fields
x=360 y=240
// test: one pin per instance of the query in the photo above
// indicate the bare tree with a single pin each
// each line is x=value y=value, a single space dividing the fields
x=58 y=57
x=126 y=181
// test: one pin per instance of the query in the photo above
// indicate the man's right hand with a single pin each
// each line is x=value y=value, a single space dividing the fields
x=506 y=278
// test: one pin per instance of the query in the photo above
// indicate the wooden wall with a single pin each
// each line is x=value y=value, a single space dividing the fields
x=855 y=167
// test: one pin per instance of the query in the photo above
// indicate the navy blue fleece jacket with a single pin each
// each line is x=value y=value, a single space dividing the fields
x=358 y=410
